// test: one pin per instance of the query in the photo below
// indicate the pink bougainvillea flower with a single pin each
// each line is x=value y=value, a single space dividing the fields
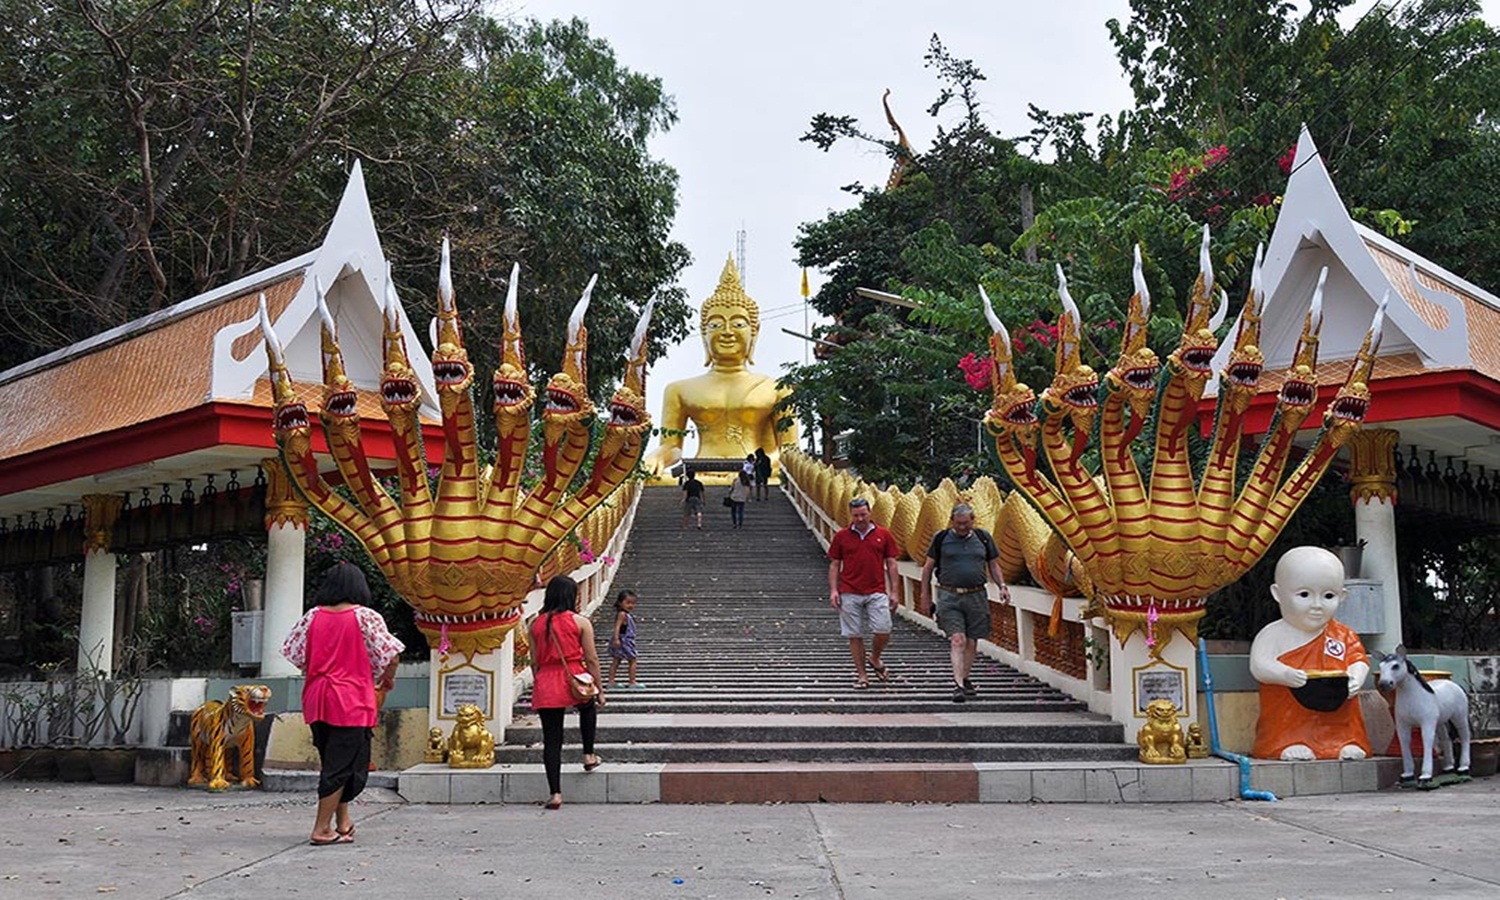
x=1264 y=198
x=1216 y=155
x=976 y=371
x=1287 y=160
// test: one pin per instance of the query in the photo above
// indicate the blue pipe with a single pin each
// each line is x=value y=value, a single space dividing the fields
x=1213 y=732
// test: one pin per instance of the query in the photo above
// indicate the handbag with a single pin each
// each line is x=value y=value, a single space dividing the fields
x=728 y=501
x=581 y=685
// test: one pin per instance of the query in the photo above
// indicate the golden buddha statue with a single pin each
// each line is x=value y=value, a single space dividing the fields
x=732 y=408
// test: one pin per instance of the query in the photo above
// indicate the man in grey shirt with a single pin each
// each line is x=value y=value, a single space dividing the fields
x=964 y=558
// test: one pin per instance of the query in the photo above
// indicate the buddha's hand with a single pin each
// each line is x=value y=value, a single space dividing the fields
x=662 y=459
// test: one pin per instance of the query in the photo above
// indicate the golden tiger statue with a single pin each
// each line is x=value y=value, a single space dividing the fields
x=471 y=746
x=1160 y=739
x=217 y=723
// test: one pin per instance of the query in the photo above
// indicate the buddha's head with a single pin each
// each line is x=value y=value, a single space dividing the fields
x=729 y=321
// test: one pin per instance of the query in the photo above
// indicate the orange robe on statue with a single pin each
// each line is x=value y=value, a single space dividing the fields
x=1284 y=722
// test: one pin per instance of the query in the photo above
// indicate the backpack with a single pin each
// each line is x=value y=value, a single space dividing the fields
x=935 y=549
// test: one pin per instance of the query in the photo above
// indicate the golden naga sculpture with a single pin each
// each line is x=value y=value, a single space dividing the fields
x=464 y=558
x=215 y=725
x=733 y=408
x=470 y=746
x=1153 y=551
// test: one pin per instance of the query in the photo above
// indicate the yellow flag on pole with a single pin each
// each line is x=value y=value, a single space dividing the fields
x=806 y=292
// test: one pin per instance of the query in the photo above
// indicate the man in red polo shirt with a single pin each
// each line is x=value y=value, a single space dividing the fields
x=861 y=575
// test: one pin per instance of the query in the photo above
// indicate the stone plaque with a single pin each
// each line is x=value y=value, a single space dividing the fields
x=1161 y=682
x=465 y=685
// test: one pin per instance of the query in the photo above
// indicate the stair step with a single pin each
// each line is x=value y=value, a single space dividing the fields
x=745 y=667
x=853 y=752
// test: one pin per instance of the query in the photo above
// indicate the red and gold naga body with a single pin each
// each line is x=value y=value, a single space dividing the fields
x=1155 y=550
x=466 y=556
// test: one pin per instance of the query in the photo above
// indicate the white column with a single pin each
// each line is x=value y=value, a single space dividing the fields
x=1372 y=473
x=96 y=630
x=286 y=557
x=285 y=586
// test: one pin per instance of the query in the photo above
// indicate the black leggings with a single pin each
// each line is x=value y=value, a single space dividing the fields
x=552 y=739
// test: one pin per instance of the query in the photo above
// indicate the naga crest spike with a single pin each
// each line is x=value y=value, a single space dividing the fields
x=575 y=356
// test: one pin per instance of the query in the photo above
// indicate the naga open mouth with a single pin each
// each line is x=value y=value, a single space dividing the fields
x=1198 y=359
x=1350 y=409
x=1244 y=374
x=509 y=393
x=340 y=405
x=561 y=402
x=624 y=415
x=1298 y=393
x=397 y=391
x=1141 y=377
x=449 y=372
x=1019 y=414
x=293 y=415
x=1085 y=395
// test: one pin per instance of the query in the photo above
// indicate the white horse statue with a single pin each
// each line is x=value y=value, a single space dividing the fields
x=1427 y=705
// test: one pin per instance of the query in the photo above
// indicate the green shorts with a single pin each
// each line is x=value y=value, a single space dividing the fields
x=966 y=614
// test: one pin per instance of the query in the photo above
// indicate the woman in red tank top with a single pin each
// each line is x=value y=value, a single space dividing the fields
x=561 y=642
x=343 y=648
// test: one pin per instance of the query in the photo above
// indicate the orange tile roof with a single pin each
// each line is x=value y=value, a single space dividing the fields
x=166 y=370
x=1399 y=276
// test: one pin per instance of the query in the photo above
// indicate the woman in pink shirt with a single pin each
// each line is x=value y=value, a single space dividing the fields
x=343 y=648
x=562 y=641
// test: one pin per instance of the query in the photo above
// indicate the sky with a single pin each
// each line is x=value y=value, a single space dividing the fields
x=748 y=77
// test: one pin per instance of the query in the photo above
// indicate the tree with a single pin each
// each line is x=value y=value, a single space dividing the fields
x=152 y=150
x=1401 y=103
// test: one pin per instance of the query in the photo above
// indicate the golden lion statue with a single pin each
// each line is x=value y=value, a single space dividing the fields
x=215 y=724
x=471 y=746
x=1160 y=739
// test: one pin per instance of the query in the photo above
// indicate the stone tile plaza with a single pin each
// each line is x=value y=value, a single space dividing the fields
x=1127 y=526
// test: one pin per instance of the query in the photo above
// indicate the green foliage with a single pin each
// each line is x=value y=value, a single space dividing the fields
x=1401 y=103
x=151 y=151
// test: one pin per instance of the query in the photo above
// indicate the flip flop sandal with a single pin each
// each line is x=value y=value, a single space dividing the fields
x=861 y=684
x=349 y=833
x=880 y=672
x=339 y=839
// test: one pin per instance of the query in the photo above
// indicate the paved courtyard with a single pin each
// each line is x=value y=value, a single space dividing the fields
x=73 y=841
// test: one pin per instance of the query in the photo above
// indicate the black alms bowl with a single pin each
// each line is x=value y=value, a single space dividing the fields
x=1324 y=691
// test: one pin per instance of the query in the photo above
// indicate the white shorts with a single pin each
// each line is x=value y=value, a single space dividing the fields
x=861 y=614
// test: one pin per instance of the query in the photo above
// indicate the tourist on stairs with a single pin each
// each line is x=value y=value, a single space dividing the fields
x=861 y=581
x=963 y=558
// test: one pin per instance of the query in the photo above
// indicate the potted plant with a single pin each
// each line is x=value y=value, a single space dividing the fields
x=26 y=707
x=113 y=761
x=1484 y=728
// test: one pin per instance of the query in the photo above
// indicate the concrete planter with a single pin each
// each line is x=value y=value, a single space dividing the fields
x=113 y=765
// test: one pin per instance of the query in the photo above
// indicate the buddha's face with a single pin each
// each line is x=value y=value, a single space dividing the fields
x=728 y=335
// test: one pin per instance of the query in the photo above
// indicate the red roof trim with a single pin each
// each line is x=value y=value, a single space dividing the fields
x=1430 y=395
x=201 y=428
